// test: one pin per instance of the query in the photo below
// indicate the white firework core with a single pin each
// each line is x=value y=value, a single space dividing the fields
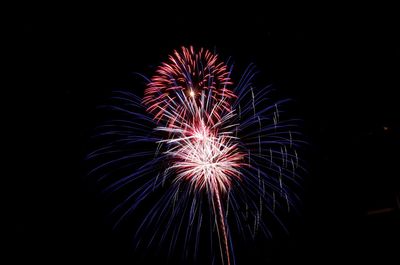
x=207 y=160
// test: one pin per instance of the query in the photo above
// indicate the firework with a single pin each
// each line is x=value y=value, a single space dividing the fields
x=197 y=145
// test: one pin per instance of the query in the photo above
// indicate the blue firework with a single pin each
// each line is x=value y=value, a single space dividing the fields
x=177 y=185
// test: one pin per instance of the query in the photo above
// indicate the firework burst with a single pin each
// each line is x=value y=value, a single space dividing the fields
x=201 y=146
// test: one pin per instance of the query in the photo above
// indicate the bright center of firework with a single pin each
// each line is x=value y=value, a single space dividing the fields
x=207 y=159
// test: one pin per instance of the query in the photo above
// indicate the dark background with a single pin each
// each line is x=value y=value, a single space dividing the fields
x=340 y=65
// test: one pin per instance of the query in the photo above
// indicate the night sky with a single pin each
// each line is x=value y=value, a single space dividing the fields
x=340 y=65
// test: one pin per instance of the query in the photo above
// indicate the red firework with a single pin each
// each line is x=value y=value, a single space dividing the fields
x=192 y=73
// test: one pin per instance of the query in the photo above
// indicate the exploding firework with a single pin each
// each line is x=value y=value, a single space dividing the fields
x=198 y=146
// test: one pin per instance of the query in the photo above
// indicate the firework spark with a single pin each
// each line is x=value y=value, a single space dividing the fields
x=202 y=138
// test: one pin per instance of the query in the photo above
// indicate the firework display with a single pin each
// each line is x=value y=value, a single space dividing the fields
x=198 y=154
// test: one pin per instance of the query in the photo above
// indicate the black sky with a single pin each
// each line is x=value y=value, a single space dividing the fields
x=340 y=65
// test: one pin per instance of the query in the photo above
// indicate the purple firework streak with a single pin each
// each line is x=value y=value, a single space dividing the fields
x=199 y=148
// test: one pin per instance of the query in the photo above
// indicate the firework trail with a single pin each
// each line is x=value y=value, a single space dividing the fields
x=196 y=143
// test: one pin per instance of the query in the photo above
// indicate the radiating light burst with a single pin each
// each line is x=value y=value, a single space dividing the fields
x=196 y=137
x=206 y=159
x=188 y=73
